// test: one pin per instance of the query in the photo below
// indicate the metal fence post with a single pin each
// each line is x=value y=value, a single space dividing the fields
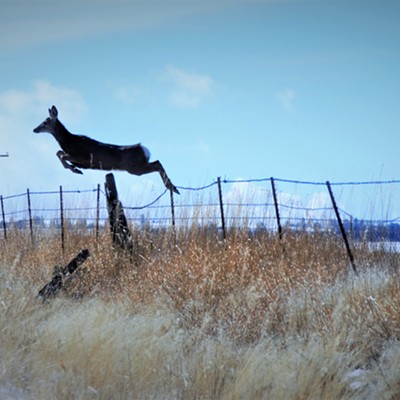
x=97 y=211
x=278 y=217
x=62 y=221
x=221 y=207
x=171 y=192
x=4 y=219
x=341 y=227
x=28 y=195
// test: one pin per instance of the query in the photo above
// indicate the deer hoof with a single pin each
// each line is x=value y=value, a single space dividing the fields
x=173 y=188
x=76 y=171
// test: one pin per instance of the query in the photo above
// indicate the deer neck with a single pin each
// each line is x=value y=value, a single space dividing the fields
x=61 y=134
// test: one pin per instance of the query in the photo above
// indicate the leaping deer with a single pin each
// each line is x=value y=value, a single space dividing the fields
x=83 y=152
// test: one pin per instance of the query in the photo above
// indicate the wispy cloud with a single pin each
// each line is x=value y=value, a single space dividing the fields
x=321 y=203
x=286 y=99
x=23 y=23
x=32 y=158
x=189 y=89
x=21 y=105
x=127 y=93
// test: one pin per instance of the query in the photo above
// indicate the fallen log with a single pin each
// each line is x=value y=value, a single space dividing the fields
x=57 y=283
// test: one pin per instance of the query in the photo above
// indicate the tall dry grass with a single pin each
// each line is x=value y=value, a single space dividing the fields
x=193 y=317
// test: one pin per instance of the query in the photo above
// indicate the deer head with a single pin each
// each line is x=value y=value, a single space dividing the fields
x=48 y=125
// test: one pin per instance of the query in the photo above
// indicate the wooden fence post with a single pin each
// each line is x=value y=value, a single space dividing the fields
x=341 y=227
x=278 y=217
x=60 y=275
x=120 y=233
x=221 y=207
x=4 y=219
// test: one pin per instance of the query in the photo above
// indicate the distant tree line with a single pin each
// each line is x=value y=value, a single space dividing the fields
x=357 y=229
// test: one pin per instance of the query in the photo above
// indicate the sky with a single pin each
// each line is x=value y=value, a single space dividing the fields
x=295 y=89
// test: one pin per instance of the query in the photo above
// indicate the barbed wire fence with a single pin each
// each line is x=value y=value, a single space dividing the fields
x=253 y=204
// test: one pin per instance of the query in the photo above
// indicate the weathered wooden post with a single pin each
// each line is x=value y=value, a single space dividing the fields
x=120 y=233
x=61 y=274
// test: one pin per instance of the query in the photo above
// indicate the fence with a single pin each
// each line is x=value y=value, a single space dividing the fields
x=254 y=204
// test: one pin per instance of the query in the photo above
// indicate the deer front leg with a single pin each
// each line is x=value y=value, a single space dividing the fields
x=63 y=157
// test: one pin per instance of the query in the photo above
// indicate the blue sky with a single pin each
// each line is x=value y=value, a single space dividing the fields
x=304 y=90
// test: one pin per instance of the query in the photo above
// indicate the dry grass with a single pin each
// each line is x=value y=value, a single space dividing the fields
x=197 y=318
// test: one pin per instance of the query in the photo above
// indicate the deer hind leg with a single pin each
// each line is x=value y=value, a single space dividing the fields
x=156 y=166
x=167 y=182
x=63 y=157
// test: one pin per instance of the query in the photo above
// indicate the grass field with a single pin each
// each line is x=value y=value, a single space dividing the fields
x=200 y=318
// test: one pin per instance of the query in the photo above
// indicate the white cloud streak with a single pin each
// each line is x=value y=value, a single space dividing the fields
x=286 y=99
x=32 y=161
x=189 y=89
x=20 y=105
x=128 y=93
x=23 y=23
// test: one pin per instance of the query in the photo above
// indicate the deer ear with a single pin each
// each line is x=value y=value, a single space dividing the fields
x=53 y=112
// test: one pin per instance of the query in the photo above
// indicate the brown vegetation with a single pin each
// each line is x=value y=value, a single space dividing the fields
x=197 y=317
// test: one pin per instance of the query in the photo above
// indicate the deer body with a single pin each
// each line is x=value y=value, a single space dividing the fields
x=83 y=152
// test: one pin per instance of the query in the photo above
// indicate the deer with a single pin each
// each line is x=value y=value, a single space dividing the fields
x=80 y=151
